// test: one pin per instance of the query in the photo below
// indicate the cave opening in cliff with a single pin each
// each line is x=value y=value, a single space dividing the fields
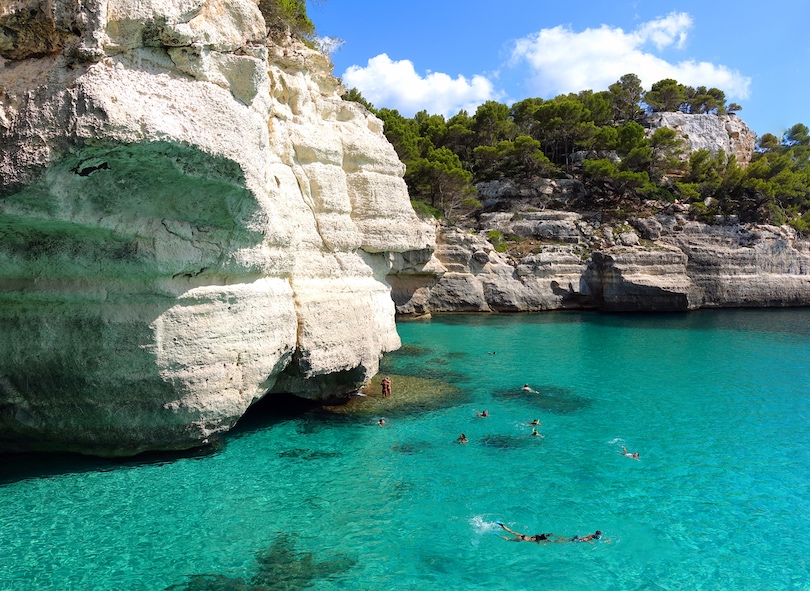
x=273 y=408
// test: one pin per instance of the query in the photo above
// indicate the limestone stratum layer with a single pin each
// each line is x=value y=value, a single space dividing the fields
x=190 y=219
x=562 y=260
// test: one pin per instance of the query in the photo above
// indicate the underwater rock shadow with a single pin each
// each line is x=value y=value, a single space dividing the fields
x=551 y=399
x=506 y=442
x=15 y=467
x=412 y=447
x=280 y=568
x=424 y=363
x=431 y=371
x=411 y=351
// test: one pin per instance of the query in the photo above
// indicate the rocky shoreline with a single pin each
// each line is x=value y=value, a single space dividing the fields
x=560 y=260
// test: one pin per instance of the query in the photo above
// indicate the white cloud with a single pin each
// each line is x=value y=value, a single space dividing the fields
x=561 y=60
x=663 y=31
x=397 y=85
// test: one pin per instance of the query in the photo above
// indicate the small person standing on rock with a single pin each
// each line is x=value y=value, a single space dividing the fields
x=386 y=387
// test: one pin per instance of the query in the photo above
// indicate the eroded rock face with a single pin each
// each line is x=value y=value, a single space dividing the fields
x=739 y=266
x=662 y=263
x=709 y=132
x=190 y=218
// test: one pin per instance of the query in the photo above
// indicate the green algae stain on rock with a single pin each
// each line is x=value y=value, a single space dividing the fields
x=409 y=394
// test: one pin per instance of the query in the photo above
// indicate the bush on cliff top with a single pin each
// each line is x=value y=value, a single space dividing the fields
x=279 y=14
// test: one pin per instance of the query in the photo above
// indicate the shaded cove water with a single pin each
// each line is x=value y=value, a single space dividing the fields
x=716 y=403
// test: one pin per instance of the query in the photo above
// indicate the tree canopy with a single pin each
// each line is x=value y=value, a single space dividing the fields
x=599 y=138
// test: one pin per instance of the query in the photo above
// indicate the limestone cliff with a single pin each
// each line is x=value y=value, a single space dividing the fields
x=564 y=260
x=709 y=132
x=662 y=261
x=190 y=218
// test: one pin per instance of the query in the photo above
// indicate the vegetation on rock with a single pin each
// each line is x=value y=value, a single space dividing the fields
x=292 y=14
x=598 y=138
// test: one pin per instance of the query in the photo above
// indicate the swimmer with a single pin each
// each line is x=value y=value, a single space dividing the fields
x=526 y=387
x=524 y=538
x=589 y=539
x=381 y=422
x=483 y=414
x=629 y=455
x=536 y=422
x=492 y=352
x=536 y=433
x=462 y=439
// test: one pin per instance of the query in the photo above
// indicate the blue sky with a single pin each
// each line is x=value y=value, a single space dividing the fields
x=444 y=55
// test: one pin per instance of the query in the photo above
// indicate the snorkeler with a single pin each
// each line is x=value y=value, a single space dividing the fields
x=518 y=537
x=629 y=455
x=589 y=539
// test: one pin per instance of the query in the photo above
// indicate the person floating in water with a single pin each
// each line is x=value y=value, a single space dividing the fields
x=381 y=422
x=492 y=352
x=386 y=387
x=462 y=439
x=518 y=537
x=589 y=539
x=526 y=387
x=483 y=414
x=629 y=455
x=536 y=433
x=536 y=422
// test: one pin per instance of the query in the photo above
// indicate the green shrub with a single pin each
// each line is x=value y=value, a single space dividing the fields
x=801 y=224
x=776 y=215
x=424 y=210
x=291 y=13
x=497 y=239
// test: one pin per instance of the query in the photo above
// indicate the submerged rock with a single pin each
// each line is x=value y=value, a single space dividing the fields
x=282 y=566
x=410 y=394
x=190 y=218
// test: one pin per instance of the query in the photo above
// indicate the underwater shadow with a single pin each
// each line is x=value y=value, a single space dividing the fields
x=280 y=568
x=16 y=467
x=551 y=399
x=410 y=360
x=507 y=442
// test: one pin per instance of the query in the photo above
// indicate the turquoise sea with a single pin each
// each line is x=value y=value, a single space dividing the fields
x=717 y=403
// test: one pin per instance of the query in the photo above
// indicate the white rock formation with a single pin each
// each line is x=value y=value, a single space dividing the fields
x=709 y=132
x=190 y=217
x=667 y=264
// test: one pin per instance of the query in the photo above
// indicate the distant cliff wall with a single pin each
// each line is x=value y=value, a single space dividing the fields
x=190 y=218
x=662 y=263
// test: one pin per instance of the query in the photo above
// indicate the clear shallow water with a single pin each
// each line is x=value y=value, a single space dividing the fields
x=717 y=404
